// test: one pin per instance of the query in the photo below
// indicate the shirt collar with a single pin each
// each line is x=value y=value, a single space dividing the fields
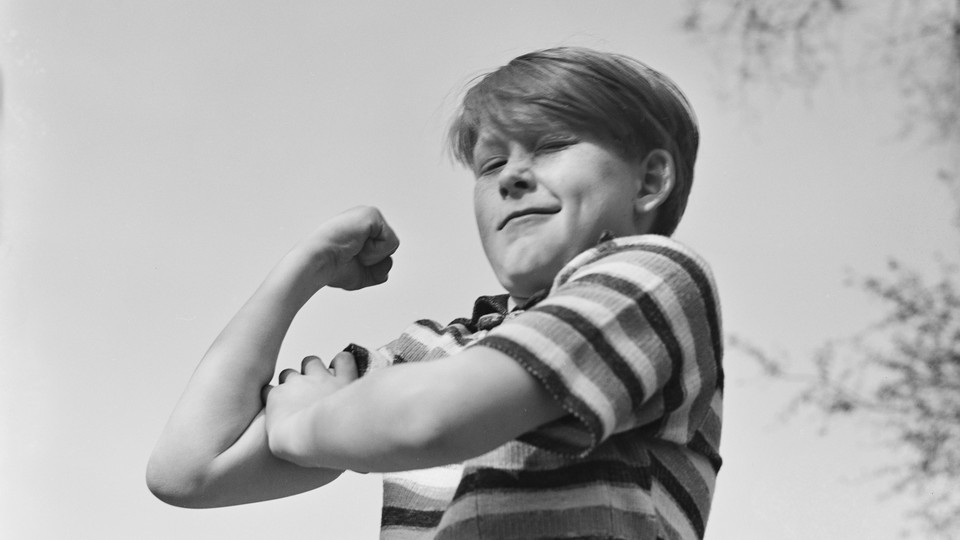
x=488 y=311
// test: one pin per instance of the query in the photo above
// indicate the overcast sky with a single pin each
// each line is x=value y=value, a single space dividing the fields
x=159 y=157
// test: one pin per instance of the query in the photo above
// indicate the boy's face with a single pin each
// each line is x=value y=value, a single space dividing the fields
x=541 y=202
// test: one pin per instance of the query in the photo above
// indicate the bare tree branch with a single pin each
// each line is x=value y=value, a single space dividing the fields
x=901 y=372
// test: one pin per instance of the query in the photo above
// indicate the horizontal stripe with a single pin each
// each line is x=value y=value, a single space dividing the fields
x=448 y=475
x=392 y=516
x=584 y=522
x=564 y=437
x=613 y=496
x=404 y=533
x=417 y=496
x=578 y=473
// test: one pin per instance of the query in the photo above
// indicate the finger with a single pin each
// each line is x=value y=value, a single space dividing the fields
x=381 y=244
x=312 y=365
x=379 y=272
x=265 y=392
x=286 y=373
x=387 y=240
x=344 y=366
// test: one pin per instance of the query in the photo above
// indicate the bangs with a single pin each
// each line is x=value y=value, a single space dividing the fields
x=524 y=100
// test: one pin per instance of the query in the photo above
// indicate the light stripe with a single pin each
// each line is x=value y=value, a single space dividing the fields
x=426 y=336
x=678 y=428
x=603 y=317
x=704 y=471
x=670 y=511
x=433 y=477
x=406 y=533
x=418 y=495
x=664 y=295
x=623 y=498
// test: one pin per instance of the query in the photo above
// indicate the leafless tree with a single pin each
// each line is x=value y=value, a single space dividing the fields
x=903 y=371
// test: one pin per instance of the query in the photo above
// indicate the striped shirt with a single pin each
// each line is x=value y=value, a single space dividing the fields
x=628 y=340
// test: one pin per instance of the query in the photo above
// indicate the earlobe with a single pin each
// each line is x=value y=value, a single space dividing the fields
x=657 y=177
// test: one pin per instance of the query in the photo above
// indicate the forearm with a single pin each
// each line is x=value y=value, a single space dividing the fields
x=418 y=415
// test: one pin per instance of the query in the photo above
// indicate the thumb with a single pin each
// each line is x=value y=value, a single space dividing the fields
x=264 y=393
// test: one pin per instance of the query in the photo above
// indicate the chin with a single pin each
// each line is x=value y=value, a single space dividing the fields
x=526 y=281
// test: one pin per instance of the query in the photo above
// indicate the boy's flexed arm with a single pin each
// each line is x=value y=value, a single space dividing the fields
x=630 y=340
x=213 y=451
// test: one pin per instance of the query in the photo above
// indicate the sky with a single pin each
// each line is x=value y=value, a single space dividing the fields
x=157 y=158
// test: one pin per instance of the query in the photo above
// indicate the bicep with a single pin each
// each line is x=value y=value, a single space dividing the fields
x=485 y=398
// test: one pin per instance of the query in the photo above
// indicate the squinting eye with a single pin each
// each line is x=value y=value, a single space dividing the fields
x=491 y=166
x=553 y=145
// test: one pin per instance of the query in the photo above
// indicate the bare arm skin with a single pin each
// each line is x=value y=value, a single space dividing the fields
x=214 y=450
x=410 y=416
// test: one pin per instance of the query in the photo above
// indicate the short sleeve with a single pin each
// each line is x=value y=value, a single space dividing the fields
x=628 y=337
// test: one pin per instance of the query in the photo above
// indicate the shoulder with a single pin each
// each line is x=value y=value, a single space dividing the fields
x=665 y=281
x=645 y=261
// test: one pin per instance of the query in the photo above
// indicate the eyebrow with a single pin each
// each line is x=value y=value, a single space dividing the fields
x=484 y=142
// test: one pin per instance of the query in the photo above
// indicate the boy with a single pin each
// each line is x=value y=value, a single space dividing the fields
x=585 y=403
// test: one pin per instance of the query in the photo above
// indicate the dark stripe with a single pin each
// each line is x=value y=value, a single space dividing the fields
x=550 y=379
x=700 y=445
x=597 y=339
x=557 y=444
x=677 y=492
x=571 y=476
x=483 y=306
x=435 y=327
x=699 y=277
x=361 y=356
x=673 y=391
x=393 y=516
x=599 y=522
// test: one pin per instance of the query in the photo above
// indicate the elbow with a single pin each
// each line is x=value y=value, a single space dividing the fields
x=174 y=485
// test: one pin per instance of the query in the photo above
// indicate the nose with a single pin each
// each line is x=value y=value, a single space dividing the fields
x=516 y=178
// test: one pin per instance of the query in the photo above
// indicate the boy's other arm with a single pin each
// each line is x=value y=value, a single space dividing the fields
x=213 y=450
x=414 y=416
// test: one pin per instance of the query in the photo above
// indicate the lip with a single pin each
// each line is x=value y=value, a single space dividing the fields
x=526 y=212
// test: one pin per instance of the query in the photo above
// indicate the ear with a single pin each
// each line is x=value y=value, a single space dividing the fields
x=657 y=177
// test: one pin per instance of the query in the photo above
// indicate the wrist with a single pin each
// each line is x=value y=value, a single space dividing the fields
x=291 y=440
x=302 y=272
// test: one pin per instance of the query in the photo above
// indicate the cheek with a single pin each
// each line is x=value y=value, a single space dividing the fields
x=486 y=197
x=479 y=205
x=483 y=210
